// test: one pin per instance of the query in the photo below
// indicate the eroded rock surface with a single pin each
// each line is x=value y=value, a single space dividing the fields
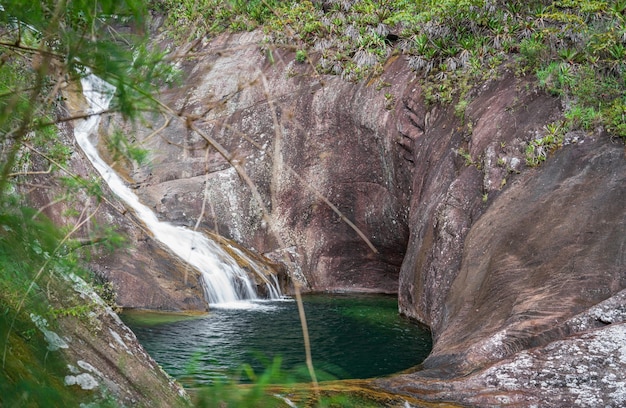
x=509 y=265
x=460 y=167
x=583 y=369
x=105 y=358
x=536 y=313
x=550 y=247
x=302 y=140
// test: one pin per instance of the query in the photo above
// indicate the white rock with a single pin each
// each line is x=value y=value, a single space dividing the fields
x=85 y=381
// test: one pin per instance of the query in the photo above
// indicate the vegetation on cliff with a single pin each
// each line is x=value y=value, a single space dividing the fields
x=576 y=49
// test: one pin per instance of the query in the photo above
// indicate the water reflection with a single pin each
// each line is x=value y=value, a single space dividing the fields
x=351 y=337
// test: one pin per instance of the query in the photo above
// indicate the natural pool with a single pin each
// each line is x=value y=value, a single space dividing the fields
x=352 y=336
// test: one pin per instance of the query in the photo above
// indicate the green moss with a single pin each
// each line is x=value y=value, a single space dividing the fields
x=135 y=317
x=31 y=375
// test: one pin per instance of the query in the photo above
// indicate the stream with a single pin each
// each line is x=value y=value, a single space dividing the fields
x=225 y=282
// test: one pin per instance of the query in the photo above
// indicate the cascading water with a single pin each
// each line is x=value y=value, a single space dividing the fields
x=225 y=283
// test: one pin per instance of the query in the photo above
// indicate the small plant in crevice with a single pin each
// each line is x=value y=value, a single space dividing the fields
x=105 y=289
x=556 y=78
x=460 y=108
x=390 y=100
x=532 y=50
x=469 y=161
x=301 y=56
x=537 y=150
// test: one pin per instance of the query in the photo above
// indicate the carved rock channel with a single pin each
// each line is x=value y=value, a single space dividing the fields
x=509 y=266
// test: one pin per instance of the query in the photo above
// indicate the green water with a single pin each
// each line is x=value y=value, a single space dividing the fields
x=351 y=337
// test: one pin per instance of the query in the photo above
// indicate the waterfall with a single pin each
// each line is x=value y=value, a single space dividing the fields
x=225 y=282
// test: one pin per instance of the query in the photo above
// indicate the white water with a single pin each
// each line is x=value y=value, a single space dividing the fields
x=225 y=283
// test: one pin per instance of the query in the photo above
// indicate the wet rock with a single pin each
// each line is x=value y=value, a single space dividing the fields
x=303 y=142
x=144 y=274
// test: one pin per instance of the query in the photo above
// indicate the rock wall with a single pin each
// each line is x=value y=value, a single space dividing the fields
x=550 y=247
x=460 y=167
x=105 y=359
x=304 y=141
x=513 y=268
x=505 y=262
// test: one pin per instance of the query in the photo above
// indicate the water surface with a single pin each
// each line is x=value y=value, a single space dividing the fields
x=351 y=337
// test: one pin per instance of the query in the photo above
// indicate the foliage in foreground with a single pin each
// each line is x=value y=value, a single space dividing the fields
x=45 y=48
x=262 y=391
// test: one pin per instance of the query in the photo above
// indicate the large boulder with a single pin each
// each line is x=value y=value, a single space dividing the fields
x=535 y=314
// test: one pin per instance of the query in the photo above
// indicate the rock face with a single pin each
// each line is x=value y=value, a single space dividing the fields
x=519 y=272
x=144 y=274
x=105 y=358
x=582 y=369
x=303 y=141
x=536 y=312
x=459 y=169
x=505 y=280
x=548 y=248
